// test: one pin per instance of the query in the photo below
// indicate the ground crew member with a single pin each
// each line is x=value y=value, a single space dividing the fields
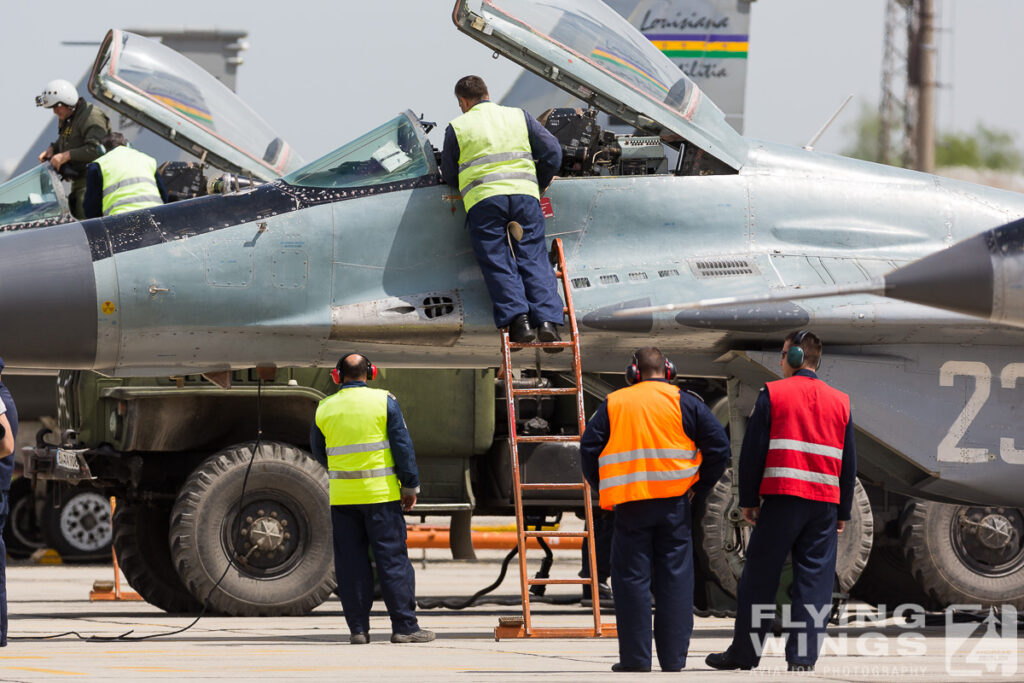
x=9 y=436
x=502 y=159
x=796 y=479
x=122 y=180
x=360 y=435
x=649 y=448
x=81 y=127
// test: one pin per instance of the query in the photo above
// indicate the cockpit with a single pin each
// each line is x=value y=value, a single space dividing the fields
x=35 y=196
x=396 y=151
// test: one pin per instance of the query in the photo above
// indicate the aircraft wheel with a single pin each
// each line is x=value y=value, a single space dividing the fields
x=282 y=531
x=21 y=534
x=79 y=528
x=964 y=554
x=887 y=579
x=724 y=539
x=144 y=555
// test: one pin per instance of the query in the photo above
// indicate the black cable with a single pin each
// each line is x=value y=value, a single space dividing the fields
x=236 y=533
x=463 y=603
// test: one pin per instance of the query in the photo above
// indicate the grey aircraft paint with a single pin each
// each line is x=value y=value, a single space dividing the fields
x=291 y=274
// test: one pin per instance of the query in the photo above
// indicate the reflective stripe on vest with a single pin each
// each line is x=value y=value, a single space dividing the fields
x=128 y=181
x=360 y=467
x=495 y=157
x=805 y=447
x=648 y=454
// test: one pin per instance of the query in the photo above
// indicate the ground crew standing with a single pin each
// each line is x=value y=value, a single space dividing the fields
x=360 y=434
x=9 y=427
x=649 y=448
x=797 y=472
x=80 y=127
x=122 y=180
x=502 y=159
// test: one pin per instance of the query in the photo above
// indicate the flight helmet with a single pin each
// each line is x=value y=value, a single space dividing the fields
x=57 y=92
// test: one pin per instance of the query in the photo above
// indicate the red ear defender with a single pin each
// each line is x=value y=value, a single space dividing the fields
x=670 y=370
x=371 y=369
x=632 y=372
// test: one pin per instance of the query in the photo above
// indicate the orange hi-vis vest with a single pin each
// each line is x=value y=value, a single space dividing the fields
x=648 y=455
x=805 y=448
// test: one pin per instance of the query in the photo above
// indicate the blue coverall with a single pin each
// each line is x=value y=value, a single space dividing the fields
x=652 y=546
x=787 y=525
x=6 y=470
x=376 y=526
x=525 y=284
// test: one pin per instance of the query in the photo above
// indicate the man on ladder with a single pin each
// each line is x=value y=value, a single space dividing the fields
x=649 y=448
x=501 y=158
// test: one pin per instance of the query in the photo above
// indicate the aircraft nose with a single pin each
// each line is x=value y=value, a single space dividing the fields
x=47 y=298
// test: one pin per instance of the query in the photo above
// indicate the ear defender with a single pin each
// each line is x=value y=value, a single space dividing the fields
x=633 y=371
x=371 y=369
x=795 y=355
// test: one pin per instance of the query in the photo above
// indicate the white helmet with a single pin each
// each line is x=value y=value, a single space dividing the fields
x=57 y=92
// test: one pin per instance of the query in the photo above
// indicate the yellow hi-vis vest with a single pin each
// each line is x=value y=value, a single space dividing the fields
x=354 y=422
x=495 y=157
x=648 y=454
x=128 y=182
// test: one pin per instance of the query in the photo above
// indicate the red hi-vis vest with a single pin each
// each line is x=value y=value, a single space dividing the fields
x=648 y=455
x=805 y=450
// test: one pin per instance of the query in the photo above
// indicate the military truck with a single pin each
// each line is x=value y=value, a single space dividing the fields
x=174 y=452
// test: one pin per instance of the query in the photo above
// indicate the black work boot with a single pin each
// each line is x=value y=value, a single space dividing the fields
x=520 y=331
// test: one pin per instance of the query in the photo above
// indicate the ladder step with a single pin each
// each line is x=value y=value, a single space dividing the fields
x=551 y=391
x=551 y=487
x=556 y=534
x=541 y=345
x=558 y=582
x=536 y=439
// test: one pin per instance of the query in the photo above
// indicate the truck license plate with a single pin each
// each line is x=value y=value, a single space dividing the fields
x=67 y=459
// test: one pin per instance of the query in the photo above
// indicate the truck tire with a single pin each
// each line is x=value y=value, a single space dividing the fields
x=282 y=529
x=963 y=554
x=722 y=540
x=79 y=527
x=887 y=580
x=21 y=534
x=144 y=555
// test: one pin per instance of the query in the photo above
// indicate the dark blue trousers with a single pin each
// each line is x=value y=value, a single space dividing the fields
x=527 y=283
x=652 y=552
x=805 y=529
x=5 y=509
x=380 y=526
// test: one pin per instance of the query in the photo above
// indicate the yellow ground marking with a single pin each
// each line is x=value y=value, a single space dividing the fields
x=45 y=671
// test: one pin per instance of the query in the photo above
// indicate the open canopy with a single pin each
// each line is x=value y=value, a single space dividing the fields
x=586 y=48
x=179 y=100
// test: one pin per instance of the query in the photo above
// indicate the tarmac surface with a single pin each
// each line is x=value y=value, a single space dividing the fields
x=45 y=600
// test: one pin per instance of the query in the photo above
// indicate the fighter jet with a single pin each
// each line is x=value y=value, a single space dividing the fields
x=366 y=247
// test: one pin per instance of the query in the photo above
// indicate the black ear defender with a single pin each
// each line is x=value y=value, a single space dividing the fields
x=371 y=369
x=633 y=370
x=795 y=355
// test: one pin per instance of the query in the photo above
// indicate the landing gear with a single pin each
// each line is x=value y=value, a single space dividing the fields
x=966 y=554
x=280 y=534
x=21 y=534
x=724 y=537
x=76 y=523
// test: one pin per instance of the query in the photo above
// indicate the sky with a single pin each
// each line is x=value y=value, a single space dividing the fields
x=323 y=72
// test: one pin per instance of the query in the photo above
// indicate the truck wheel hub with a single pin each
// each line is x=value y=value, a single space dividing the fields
x=266 y=533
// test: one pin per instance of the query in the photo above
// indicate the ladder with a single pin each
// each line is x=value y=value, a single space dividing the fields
x=522 y=627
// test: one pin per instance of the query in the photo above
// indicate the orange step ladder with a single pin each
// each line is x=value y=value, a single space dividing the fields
x=522 y=627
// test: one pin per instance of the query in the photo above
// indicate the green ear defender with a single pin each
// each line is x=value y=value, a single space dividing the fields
x=795 y=355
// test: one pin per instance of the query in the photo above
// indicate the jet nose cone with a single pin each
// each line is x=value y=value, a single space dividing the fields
x=47 y=298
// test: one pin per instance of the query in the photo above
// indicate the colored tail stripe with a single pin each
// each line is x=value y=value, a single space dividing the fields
x=685 y=45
